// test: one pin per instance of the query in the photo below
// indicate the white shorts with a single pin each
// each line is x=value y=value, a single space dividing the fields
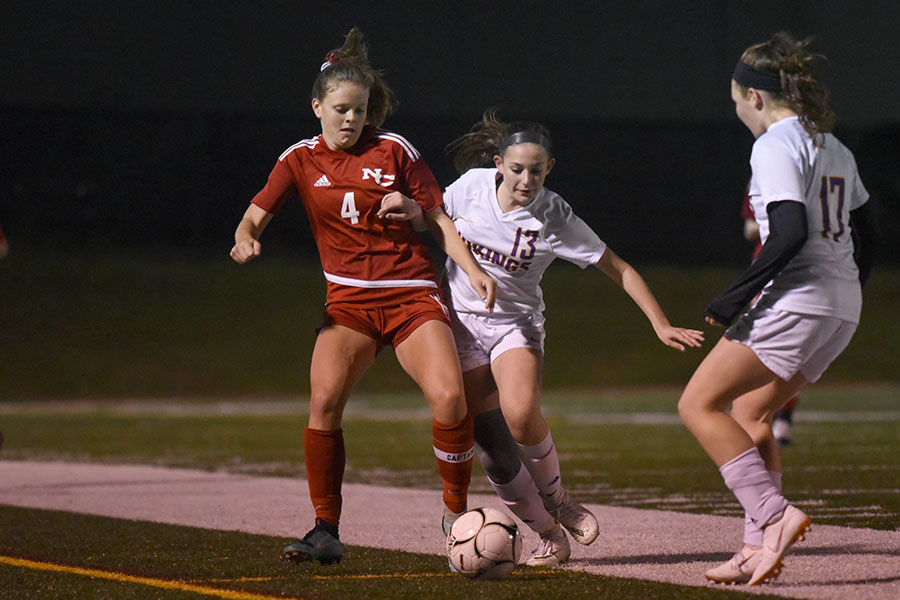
x=480 y=340
x=788 y=343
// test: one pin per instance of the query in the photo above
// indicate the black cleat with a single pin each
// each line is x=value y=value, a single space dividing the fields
x=318 y=545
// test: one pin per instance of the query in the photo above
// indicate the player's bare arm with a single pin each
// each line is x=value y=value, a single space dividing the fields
x=634 y=285
x=448 y=239
x=397 y=207
x=246 y=236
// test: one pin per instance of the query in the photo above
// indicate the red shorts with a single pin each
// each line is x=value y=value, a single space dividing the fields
x=388 y=324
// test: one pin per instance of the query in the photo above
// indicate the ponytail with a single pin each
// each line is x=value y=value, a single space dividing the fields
x=490 y=137
x=350 y=64
x=791 y=61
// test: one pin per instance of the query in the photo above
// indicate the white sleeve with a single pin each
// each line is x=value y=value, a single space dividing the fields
x=451 y=198
x=775 y=172
x=572 y=239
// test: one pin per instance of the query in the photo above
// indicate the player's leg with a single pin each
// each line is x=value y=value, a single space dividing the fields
x=340 y=356
x=730 y=371
x=512 y=482
x=777 y=535
x=818 y=341
x=754 y=414
x=750 y=414
x=517 y=372
x=783 y=422
x=428 y=355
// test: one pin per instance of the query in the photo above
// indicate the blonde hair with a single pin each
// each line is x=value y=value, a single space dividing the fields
x=486 y=138
x=791 y=60
x=350 y=64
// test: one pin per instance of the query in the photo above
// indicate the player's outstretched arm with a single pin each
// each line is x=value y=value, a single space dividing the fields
x=634 y=285
x=246 y=236
x=448 y=239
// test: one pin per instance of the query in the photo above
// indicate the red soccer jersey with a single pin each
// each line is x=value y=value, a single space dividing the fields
x=367 y=261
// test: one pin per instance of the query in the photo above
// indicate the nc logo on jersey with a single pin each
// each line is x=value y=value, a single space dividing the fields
x=380 y=178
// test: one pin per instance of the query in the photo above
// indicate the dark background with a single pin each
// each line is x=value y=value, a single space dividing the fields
x=148 y=126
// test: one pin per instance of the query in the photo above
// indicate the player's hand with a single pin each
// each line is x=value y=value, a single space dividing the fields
x=397 y=207
x=486 y=288
x=679 y=337
x=711 y=321
x=246 y=250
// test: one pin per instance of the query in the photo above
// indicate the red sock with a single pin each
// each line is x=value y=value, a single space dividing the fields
x=325 y=460
x=454 y=448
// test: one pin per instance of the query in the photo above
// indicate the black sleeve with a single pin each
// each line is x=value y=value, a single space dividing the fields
x=865 y=239
x=787 y=234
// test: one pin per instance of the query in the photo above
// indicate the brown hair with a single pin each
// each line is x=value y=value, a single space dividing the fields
x=486 y=139
x=350 y=63
x=791 y=60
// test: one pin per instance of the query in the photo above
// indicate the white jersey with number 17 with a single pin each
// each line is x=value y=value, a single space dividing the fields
x=822 y=278
x=515 y=248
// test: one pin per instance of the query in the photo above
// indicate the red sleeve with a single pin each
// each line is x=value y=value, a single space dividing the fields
x=2 y=237
x=279 y=187
x=746 y=209
x=421 y=184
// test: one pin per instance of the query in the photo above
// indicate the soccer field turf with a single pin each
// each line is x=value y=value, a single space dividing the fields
x=621 y=448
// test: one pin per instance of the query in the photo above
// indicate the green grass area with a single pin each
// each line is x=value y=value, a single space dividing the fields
x=244 y=562
x=142 y=326
x=836 y=465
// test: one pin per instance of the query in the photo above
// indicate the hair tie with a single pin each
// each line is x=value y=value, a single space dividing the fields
x=329 y=60
x=749 y=77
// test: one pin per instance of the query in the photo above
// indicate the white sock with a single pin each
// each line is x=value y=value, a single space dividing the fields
x=753 y=535
x=520 y=496
x=746 y=476
x=542 y=462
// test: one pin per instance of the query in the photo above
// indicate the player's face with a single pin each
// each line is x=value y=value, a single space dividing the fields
x=342 y=113
x=747 y=109
x=524 y=168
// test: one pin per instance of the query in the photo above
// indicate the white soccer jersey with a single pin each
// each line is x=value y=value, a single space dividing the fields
x=822 y=278
x=514 y=248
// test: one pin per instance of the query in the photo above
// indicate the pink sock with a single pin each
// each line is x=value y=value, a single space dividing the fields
x=753 y=535
x=750 y=482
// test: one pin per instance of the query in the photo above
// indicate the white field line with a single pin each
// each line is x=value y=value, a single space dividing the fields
x=835 y=563
x=186 y=408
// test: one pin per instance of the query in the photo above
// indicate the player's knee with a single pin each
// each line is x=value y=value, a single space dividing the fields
x=445 y=397
x=522 y=420
x=325 y=404
x=687 y=408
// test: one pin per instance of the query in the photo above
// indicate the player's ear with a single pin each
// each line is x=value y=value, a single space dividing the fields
x=756 y=98
x=550 y=164
x=498 y=161
x=317 y=108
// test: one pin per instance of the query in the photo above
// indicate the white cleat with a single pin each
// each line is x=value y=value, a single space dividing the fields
x=447 y=522
x=739 y=568
x=778 y=537
x=552 y=551
x=578 y=521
